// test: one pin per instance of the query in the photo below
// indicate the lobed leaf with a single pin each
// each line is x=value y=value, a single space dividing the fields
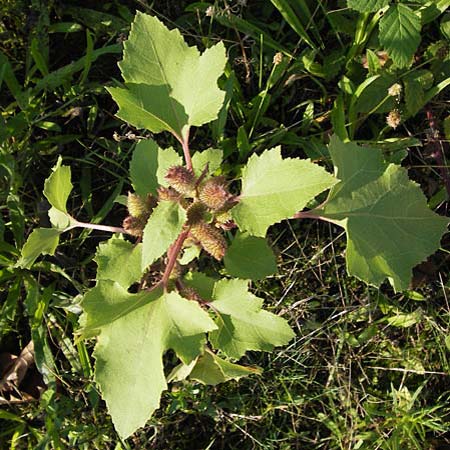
x=212 y=370
x=171 y=85
x=145 y=106
x=57 y=188
x=108 y=302
x=242 y=324
x=135 y=331
x=274 y=189
x=383 y=212
x=119 y=260
x=42 y=241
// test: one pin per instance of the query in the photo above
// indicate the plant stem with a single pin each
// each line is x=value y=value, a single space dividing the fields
x=305 y=215
x=172 y=256
x=311 y=214
x=186 y=151
x=94 y=226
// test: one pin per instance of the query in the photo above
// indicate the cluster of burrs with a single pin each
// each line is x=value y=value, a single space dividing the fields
x=207 y=203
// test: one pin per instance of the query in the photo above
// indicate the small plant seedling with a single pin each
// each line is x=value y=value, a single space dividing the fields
x=149 y=297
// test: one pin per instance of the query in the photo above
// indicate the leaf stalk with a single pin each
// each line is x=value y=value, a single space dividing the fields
x=94 y=226
x=172 y=256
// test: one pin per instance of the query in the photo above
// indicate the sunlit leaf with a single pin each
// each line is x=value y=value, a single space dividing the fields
x=134 y=332
x=274 y=189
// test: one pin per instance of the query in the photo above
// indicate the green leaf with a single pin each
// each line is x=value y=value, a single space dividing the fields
x=162 y=229
x=145 y=106
x=212 y=370
x=293 y=15
x=212 y=156
x=59 y=219
x=432 y=9
x=41 y=241
x=372 y=95
x=405 y=320
x=135 y=331
x=354 y=166
x=383 y=213
x=58 y=186
x=242 y=324
x=250 y=257
x=416 y=83
x=189 y=254
x=149 y=164
x=159 y=58
x=181 y=372
x=445 y=26
x=108 y=302
x=400 y=33
x=203 y=284
x=274 y=189
x=367 y=5
x=119 y=260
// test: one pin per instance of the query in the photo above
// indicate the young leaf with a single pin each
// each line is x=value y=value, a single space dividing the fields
x=212 y=370
x=149 y=164
x=119 y=260
x=249 y=257
x=189 y=254
x=203 y=284
x=162 y=229
x=59 y=219
x=58 y=186
x=383 y=212
x=159 y=58
x=242 y=324
x=131 y=344
x=367 y=5
x=41 y=241
x=212 y=156
x=400 y=33
x=274 y=189
x=181 y=372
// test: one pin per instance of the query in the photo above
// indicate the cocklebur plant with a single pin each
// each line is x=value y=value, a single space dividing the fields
x=149 y=296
